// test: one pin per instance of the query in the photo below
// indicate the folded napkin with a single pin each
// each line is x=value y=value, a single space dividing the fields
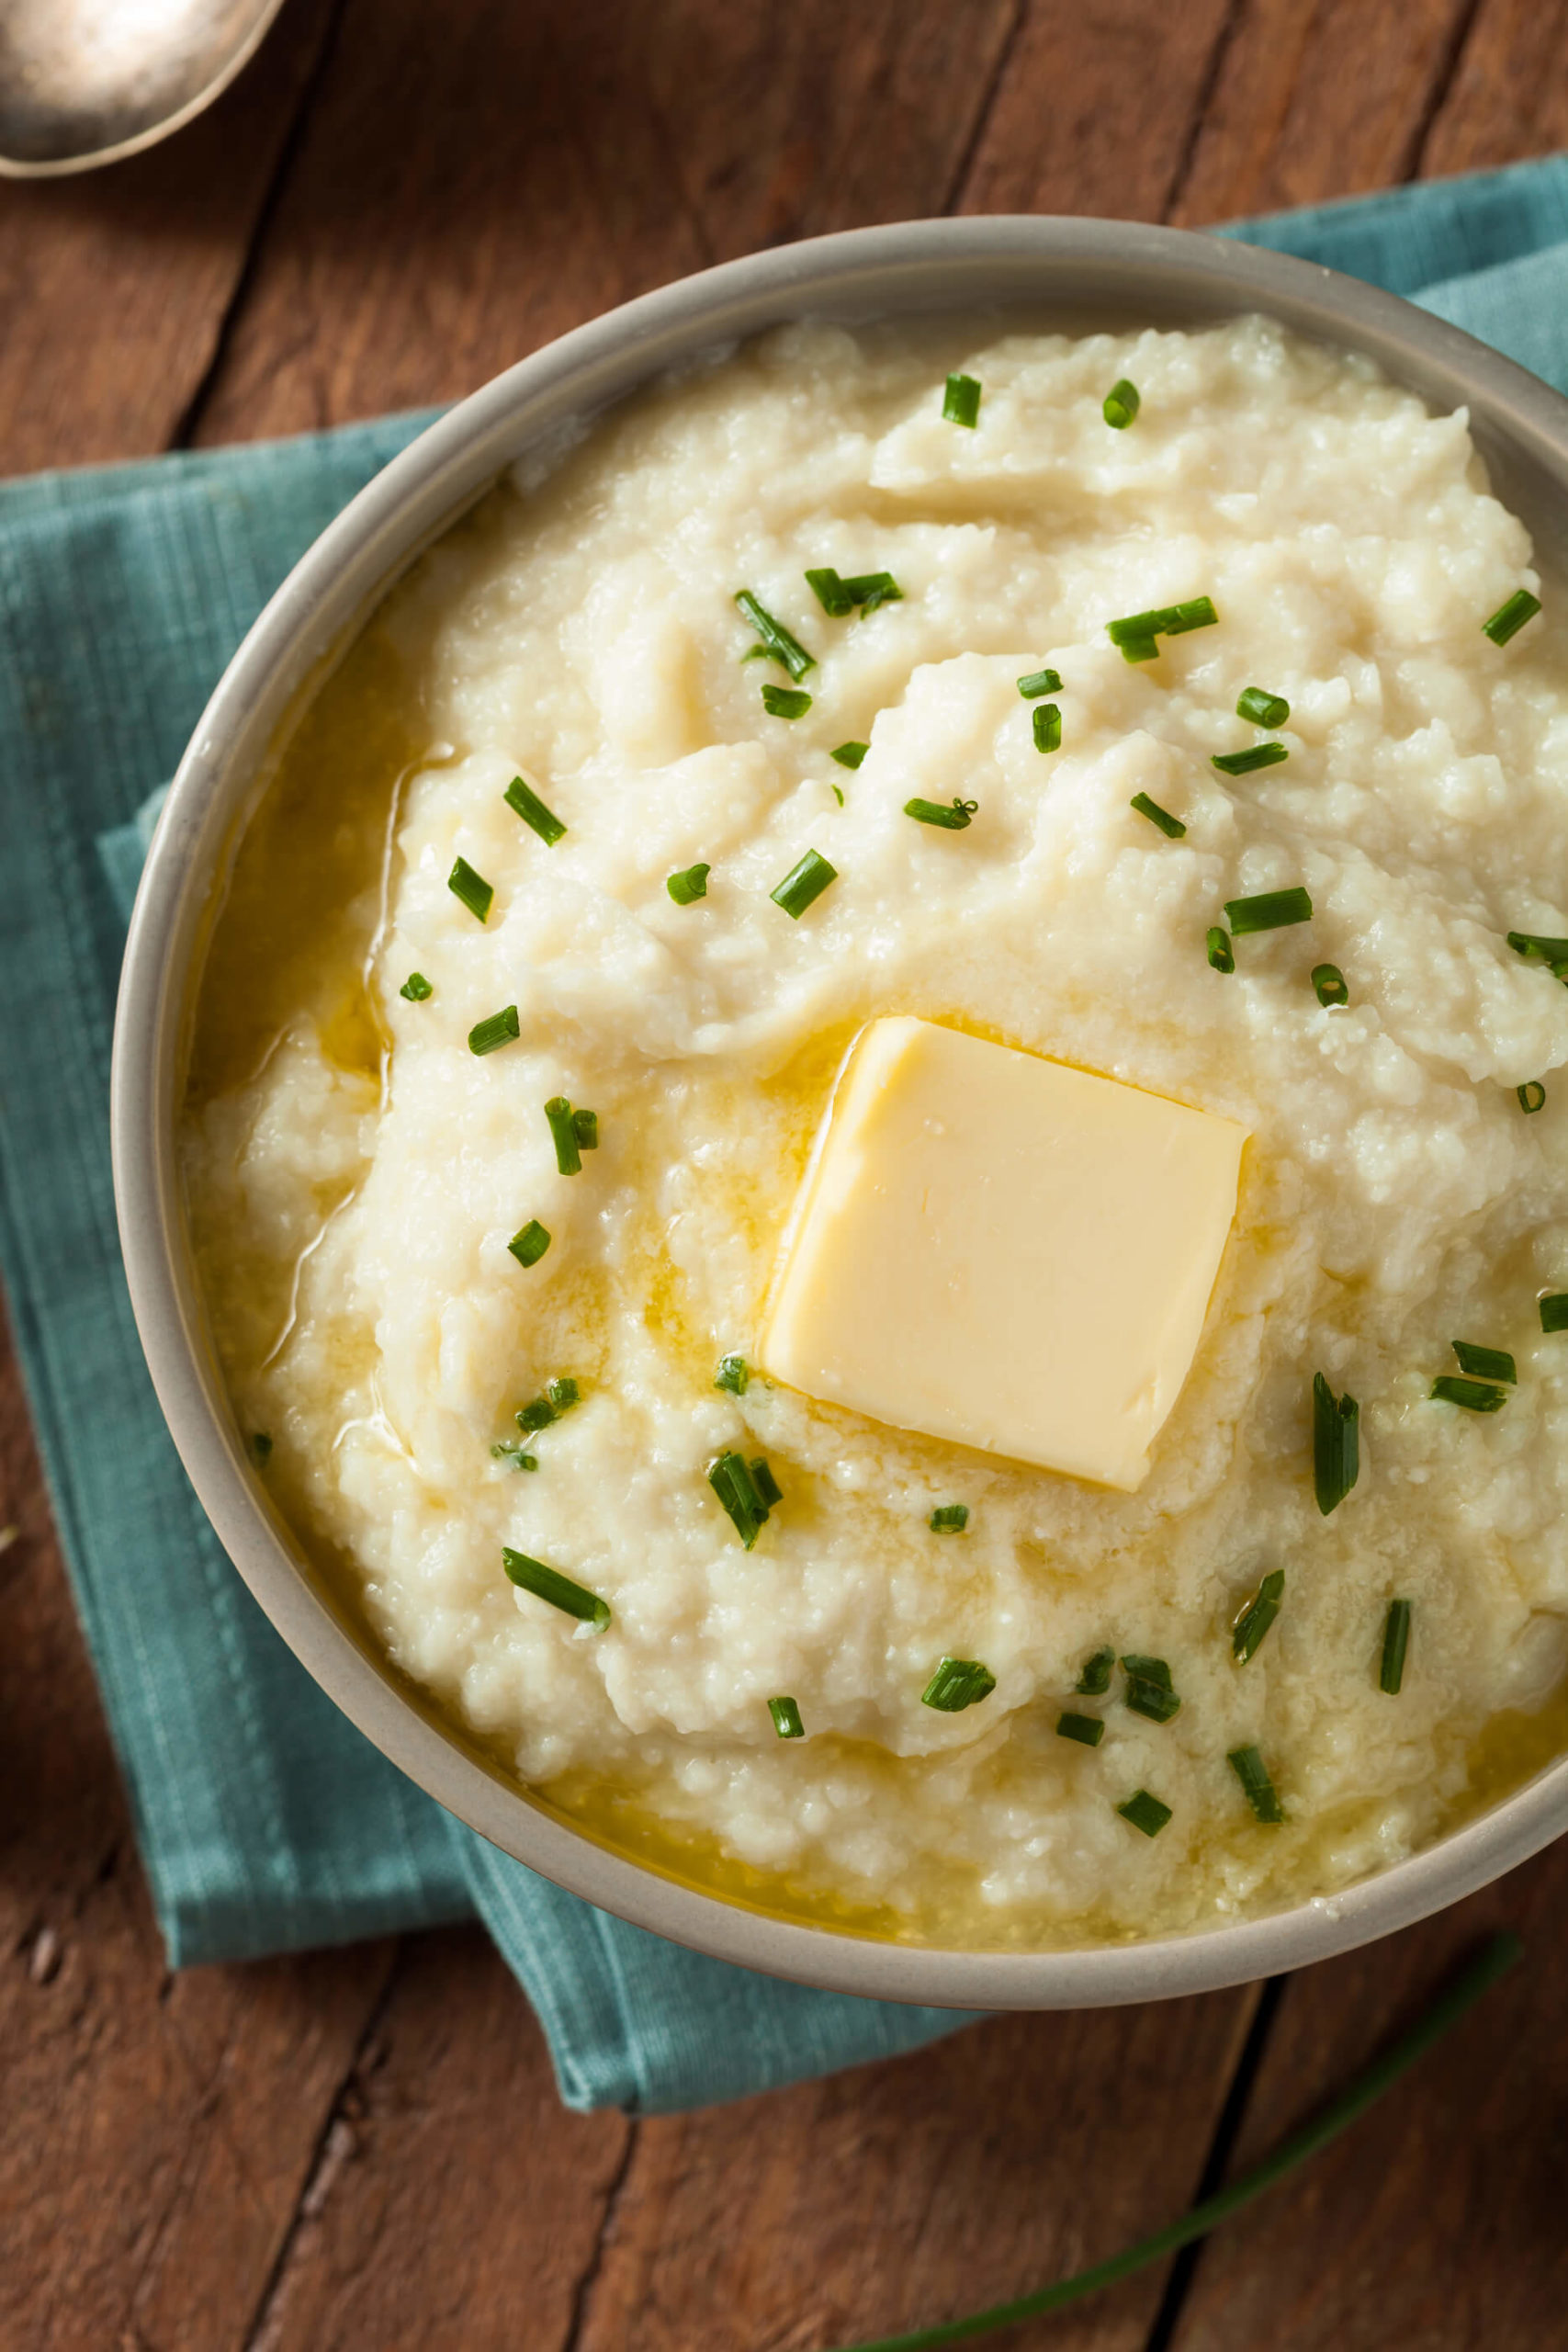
x=267 y=1823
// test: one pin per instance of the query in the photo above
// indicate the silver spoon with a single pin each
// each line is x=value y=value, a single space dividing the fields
x=85 y=82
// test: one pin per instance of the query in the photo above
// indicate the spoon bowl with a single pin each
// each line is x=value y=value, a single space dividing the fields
x=85 y=82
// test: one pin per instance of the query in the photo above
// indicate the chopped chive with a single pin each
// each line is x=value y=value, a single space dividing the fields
x=958 y=1682
x=1253 y=1774
x=476 y=893
x=563 y=1394
x=529 y=1245
x=689 y=885
x=1554 y=1306
x=585 y=1127
x=961 y=401
x=563 y=1129
x=785 y=702
x=536 y=1415
x=1095 y=1680
x=1140 y=649
x=1510 y=617
x=831 y=592
x=1263 y=709
x=1395 y=1643
x=261 y=1445
x=871 y=589
x=1136 y=632
x=1145 y=1813
x=1254 y=1617
x=498 y=1029
x=777 y=644
x=1486 y=1364
x=949 y=1519
x=521 y=797
x=734 y=1373
x=1171 y=827
x=1038 y=683
x=1046 y=722
x=1262 y=756
x=1121 y=404
x=848 y=755
x=518 y=1455
x=416 y=988
x=1269 y=910
x=1336 y=1445
x=838 y=792
x=931 y=812
x=1471 y=1395
x=1220 y=955
x=1088 y=1730
x=786 y=1719
x=548 y=1584
x=1148 y=1691
x=733 y=1483
x=1328 y=982
x=1531 y=1095
x=767 y=1486
x=1552 y=952
x=803 y=884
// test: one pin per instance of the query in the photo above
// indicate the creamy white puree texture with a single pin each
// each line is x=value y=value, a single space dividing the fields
x=1395 y=1196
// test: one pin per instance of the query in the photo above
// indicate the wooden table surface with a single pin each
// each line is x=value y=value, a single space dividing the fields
x=362 y=2150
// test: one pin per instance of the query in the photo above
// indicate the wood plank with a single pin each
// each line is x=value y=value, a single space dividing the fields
x=1096 y=110
x=1508 y=97
x=1313 y=103
x=478 y=177
x=114 y=288
x=1438 y=2221
x=898 y=2195
x=458 y=2202
x=155 y=2133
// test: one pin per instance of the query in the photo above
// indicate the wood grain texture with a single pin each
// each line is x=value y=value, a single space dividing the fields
x=1508 y=97
x=113 y=287
x=1317 y=101
x=1437 y=2223
x=155 y=2133
x=476 y=178
x=906 y=2193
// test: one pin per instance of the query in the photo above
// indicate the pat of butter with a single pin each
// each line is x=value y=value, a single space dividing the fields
x=1002 y=1250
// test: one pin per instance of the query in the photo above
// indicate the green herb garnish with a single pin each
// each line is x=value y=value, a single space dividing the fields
x=777 y=644
x=1486 y=1364
x=1472 y=1395
x=1171 y=827
x=521 y=797
x=767 y=1486
x=1510 y=617
x=1137 y=633
x=1149 y=1690
x=689 y=885
x=1095 y=1680
x=1262 y=755
x=1221 y=959
x=1088 y=1730
x=416 y=988
x=1254 y=1617
x=950 y=1519
x=958 y=1682
x=1544 y=948
x=866 y=589
x=560 y=1396
x=563 y=1131
x=1145 y=1813
x=1253 y=1773
x=931 y=812
x=848 y=755
x=1121 y=404
x=1038 y=683
x=1046 y=722
x=734 y=1374
x=529 y=1245
x=585 y=1127
x=548 y=1584
x=803 y=884
x=1328 y=985
x=472 y=888
x=785 y=702
x=1271 y=910
x=1531 y=1095
x=734 y=1482
x=518 y=1455
x=497 y=1029
x=961 y=401
x=1553 y=1306
x=1336 y=1445
x=786 y=1719
x=1395 y=1641
x=1263 y=709
x=563 y=1393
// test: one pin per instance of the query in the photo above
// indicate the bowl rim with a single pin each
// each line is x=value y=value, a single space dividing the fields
x=973 y=265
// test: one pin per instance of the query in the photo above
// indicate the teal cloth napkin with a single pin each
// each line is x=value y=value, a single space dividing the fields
x=265 y=1822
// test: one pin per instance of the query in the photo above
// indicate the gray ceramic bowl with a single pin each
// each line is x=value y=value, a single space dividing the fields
x=1081 y=271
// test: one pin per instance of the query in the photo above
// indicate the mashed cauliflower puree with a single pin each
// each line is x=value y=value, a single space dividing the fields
x=368 y=1191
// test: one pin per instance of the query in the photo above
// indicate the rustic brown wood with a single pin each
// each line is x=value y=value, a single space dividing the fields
x=1508 y=97
x=113 y=287
x=477 y=177
x=1438 y=2222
